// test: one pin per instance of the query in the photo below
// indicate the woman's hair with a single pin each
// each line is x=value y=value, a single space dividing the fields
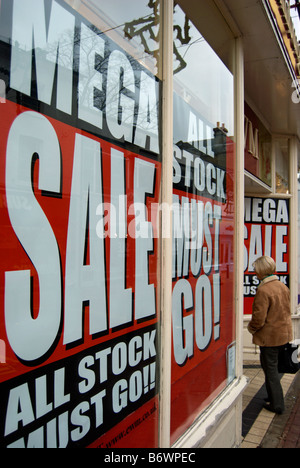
x=264 y=266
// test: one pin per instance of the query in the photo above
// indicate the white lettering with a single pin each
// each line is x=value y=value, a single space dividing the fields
x=200 y=135
x=147 y=121
x=90 y=79
x=19 y=409
x=203 y=307
x=193 y=225
x=85 y=282
x=109 y=88
x=31 y=134
x=193 y=171
x=259 y=210
x=183 y=328
x=281 y=248
x=52 y=51
x=120 y=108
x=258 y=247
x=144 y=173
x=120 y=297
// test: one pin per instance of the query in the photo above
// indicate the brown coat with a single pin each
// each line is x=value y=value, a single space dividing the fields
x=271 y=323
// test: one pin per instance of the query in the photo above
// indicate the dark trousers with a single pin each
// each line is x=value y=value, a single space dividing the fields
x=269 y=363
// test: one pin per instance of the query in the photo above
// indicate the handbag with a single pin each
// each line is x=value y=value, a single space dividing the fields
x=288 y=359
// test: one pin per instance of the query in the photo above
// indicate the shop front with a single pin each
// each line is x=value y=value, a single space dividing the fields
x=123 y=134
x=271 y=158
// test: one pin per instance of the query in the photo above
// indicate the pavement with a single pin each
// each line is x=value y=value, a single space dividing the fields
x=261 y=428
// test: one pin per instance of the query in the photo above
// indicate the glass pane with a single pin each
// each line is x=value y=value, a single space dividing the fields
x=258 y=147
x=203 y=226
x=282 y=165
x=80 y=175
x=135 y=26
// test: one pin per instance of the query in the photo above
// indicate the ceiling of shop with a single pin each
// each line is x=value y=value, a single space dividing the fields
x=268 y=81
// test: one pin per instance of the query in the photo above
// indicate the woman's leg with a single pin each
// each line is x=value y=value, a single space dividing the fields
x=269 y=362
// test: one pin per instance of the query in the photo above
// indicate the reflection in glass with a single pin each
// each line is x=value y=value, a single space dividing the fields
x=133 y=25
x=282 y=167
x=201 y=79
x=203 y=318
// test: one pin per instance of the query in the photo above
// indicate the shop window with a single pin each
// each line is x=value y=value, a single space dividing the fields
x=203 y=224
x=258 y=147
x=135 y=28
x=80 y=177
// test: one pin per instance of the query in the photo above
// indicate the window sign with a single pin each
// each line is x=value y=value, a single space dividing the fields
x=266 y=232
x=80 y=174
x=203 y=228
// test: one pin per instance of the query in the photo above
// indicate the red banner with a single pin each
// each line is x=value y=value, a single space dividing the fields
x=56 y=256
x=80 y=177
x=203 y=271
x=266 y=232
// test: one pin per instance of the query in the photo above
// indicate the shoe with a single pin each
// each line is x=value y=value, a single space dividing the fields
x=268 y=407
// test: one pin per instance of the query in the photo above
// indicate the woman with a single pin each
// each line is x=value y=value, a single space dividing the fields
x=271 y=327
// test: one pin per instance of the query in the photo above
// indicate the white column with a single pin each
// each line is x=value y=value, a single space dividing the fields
x=240 y=197
x=166 y=227
x=293 y=150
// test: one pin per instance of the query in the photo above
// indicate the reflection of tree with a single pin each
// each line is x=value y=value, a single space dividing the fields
x=111 y=81
x=149 y=27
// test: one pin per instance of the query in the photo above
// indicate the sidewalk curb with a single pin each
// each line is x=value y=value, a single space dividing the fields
x=280 y=433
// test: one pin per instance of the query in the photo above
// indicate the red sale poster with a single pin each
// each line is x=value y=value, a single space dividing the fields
x=203 y=272
x=266 y=232
x=79 y=185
